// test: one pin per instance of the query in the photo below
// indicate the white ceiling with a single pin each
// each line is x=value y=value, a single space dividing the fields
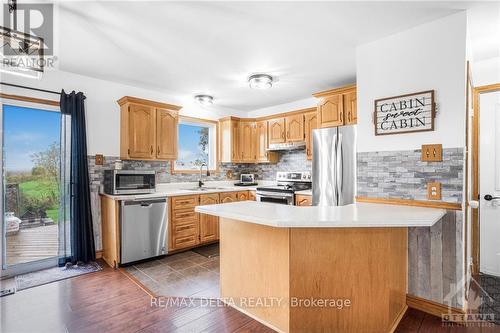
x=186 y=48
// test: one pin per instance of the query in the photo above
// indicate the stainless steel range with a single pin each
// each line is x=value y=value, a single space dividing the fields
x=284 y=191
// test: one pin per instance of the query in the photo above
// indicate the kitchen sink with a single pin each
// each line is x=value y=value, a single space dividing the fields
x=203 y=189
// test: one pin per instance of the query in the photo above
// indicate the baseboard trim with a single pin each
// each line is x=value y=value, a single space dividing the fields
x=98 y=254
x=396 y=322
x=431 y=307
x=415 y=203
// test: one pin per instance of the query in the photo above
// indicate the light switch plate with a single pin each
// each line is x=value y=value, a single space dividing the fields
x=99 y=159
x=432 y=153
x=434 y=191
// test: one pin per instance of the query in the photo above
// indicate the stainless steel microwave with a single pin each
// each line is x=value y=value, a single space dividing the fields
x=129 y=181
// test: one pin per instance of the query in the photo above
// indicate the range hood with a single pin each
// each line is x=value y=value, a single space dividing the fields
x=287 y=146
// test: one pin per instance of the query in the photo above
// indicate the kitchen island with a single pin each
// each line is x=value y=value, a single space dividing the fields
x=317 y=269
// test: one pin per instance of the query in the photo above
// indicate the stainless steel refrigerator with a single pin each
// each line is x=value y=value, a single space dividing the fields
x=334 y=166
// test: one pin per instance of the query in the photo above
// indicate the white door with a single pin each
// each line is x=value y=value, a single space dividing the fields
x=489 y=183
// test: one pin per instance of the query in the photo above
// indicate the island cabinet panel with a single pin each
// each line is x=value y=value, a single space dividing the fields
x=166 y=129
x=276 y=128
x=254 y=262
x=142 y=121
x=369 y=270
x=360 y=275
x=209 y=224
x=295 y=128
x=310 y=124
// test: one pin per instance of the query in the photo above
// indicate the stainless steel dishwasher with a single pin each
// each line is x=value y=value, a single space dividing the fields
x=143 y=229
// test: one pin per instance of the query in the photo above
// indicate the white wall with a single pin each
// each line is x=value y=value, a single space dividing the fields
x=486 y=72
x=286 y=107
x=429 y=56
x=103 y=116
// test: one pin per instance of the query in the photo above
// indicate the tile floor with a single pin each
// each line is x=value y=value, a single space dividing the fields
x=186 y=274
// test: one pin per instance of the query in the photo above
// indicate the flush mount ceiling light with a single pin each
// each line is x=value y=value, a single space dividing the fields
x=260 y=81
x=205 y=100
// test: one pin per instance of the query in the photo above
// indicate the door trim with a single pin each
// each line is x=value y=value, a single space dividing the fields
x=475 y=170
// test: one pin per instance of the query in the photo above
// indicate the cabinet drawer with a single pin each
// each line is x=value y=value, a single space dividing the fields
x=188 y=201
x=184 y=241
x=303 y=200
x=183 y=216
x=182 y=230
x=228 y=197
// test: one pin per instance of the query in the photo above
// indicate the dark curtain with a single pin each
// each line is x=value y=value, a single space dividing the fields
x=82 y=235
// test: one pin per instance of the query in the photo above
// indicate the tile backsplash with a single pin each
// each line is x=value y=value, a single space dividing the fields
x=394 y=174
x=401 y=174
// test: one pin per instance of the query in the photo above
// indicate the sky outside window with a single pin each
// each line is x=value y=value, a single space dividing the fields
x=27 y=131
x=191 y=153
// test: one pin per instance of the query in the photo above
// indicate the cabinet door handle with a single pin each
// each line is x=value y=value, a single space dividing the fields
x=158 y=150
x=151 y=149
x=288 y=134
x=342 y=117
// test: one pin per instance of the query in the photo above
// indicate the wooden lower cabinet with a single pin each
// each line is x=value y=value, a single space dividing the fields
x=228 y=197
x=184 y=222
x=209 y=224
x=303 y=200
x=252 y=196
x=242 y=195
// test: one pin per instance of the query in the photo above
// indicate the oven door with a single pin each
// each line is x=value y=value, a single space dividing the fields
x=275 y=197
x=134 y=182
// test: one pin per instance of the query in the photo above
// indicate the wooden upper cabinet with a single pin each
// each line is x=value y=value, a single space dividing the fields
x=141 y=131
x=276 y=130
x=229 y=150
x=310 y=124
x=337 y=107
x=166 y=133
x=350 y=108
x=330 y=111
x=148 y=129
x=247 y=142
x=294 y=127
x=261 y=139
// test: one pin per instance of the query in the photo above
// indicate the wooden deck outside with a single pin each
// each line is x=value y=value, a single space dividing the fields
x=32 y=244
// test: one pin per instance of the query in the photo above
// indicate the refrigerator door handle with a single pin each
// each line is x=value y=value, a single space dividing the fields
x=339 y=162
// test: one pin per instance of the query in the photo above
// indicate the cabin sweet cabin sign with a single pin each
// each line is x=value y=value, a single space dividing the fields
x=405 y=113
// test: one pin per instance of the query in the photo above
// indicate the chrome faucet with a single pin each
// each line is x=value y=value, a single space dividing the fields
x=200 y=181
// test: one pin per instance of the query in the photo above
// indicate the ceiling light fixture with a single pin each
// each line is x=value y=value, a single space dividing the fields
x=260 y=81
x=205 y=100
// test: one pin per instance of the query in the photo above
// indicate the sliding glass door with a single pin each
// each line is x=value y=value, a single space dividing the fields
x=34 y=186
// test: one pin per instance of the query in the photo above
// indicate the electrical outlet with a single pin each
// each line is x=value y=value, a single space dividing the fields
x=432 y=153
x=99 y=159
x=434 y=191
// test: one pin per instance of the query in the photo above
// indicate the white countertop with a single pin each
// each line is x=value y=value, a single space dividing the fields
x=355 y=215
x=305 y=192
x=176 y=189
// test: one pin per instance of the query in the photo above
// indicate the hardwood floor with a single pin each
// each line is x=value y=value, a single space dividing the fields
x=110 y=301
